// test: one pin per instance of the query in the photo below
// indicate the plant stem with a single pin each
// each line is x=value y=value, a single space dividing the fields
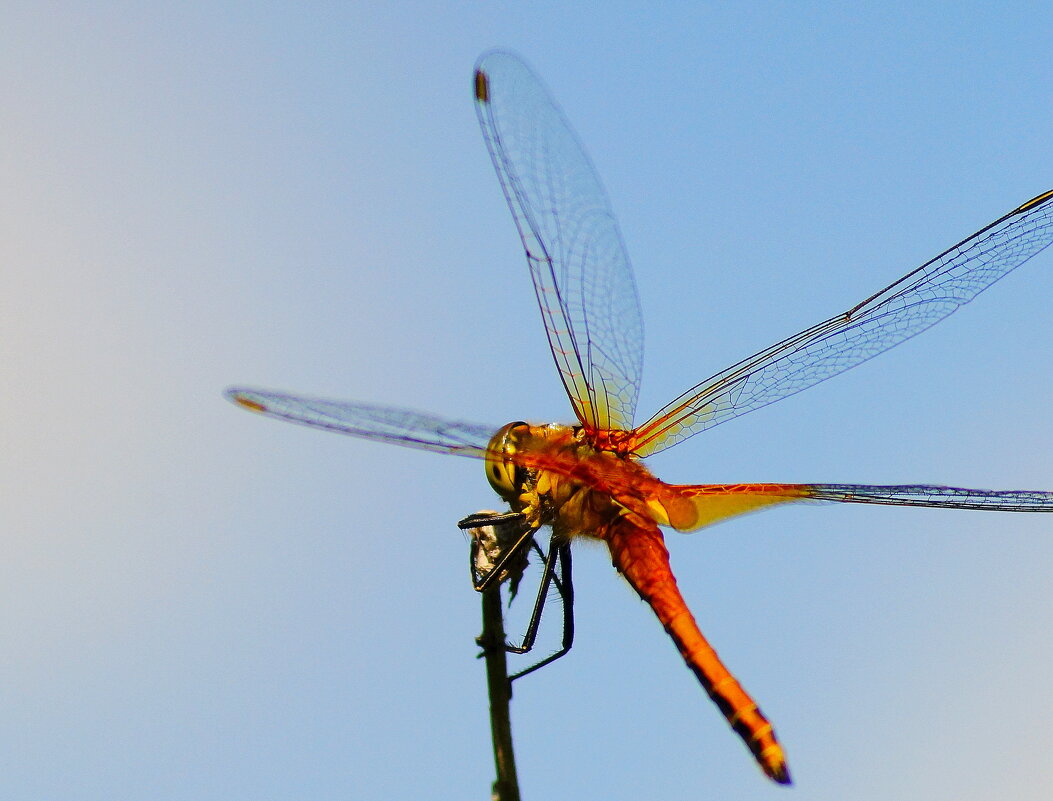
x=492 y=641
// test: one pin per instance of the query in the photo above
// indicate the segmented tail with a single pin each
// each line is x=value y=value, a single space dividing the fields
x=639 y=553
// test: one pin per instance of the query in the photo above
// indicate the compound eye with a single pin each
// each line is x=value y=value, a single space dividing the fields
x=501 y=472
x=501 y=475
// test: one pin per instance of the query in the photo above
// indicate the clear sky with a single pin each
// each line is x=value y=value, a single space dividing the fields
x=196 y=603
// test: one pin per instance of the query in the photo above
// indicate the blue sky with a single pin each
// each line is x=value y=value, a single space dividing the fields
x=200 y=604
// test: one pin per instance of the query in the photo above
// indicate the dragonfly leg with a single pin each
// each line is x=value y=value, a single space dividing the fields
x=565 y=587
x=500 y=543
x=539 y=603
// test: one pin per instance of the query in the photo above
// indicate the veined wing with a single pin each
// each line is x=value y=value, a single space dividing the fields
x=381 y=423
x=691 y=507
x=578 y=263
x=935 y=496
x=907 y=307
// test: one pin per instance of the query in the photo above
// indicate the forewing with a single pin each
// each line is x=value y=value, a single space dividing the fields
x=915 y=302
x=381 y=423
x=578 y=262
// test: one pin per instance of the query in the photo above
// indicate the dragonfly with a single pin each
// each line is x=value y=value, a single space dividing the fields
x=587 y=478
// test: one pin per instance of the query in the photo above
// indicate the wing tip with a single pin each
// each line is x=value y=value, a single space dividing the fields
x=482 y=86
x=1035 y=202
x=500 y=60
x=243 y=399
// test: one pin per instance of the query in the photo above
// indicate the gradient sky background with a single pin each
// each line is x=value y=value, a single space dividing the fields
x=199 y=604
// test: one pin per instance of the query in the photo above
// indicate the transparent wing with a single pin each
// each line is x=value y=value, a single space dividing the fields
x=381 y=423
x=920 y=299
x=935 y=496
x=689 y=507
x=578 y=263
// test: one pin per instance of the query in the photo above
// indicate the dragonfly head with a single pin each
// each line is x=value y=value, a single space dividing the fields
x=505 y=476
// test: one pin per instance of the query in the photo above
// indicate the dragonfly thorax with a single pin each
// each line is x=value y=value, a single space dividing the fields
x=533 y=467
x=556 y=476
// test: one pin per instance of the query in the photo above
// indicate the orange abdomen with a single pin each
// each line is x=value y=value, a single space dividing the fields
x=639 y=553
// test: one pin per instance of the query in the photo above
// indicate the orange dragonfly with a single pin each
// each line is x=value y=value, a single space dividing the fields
x=586 y=479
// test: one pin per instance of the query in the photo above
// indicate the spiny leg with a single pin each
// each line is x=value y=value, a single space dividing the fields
x=493 y=561
x=565 y=587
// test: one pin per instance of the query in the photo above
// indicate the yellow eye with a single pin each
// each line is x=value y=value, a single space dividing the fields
x=500 y=476
x=500 y=470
